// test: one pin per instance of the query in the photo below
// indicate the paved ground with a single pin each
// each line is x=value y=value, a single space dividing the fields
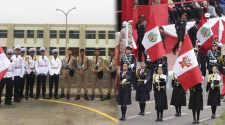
x=169 y=119
x=59 y=112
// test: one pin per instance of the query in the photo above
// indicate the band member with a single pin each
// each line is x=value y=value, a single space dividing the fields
x=30 y=76
x=22 y=54
x=213 y=88
x=82 y=63
x=213 y=57
x=159 y=85
x=141 y=33
x=124 y=97
x=18 y=73
x=97 y=65
x=8 y=80
x=130 y=59
x=54 y=71
x=42 y=68
x=222 y=71
x=69 y=65
x=178 y=97
x=143 y=76
x=111 y=67
x=181 y=30
x=196 y=102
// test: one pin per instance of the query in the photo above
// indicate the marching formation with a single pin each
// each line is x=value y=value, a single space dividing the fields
x=24 y=70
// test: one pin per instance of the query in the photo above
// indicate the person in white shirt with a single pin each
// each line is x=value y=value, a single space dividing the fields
x=54 y=71
x=8 y=80
x=42 y=68
x=18 y=73
x=22 y=54
x=30 y=76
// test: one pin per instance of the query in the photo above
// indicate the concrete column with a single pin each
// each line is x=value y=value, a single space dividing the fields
x=82 y=39
x=25 y=36
x=10 y=34
x=35 y=36
x=46 y=39
x=107 y=37
x=97 y=40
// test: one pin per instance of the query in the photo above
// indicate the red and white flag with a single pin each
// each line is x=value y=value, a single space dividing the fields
x=152 y=41
x=205 y=34
x=4 y=63
x=186 y=67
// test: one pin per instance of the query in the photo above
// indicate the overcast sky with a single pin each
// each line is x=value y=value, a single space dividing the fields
x=44 y=11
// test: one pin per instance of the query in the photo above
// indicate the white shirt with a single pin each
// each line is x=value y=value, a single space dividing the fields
x=30 y=64
x=42 y=65
x=19 y=68
x=55 y=66
x=10 y=71
x=157 y=77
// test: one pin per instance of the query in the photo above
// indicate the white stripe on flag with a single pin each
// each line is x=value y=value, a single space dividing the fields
x=201 y=34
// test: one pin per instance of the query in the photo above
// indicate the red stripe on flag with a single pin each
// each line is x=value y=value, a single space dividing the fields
x=207 y=45
x=191 y=78
x=223 y=38
x=186 y=46
x=2 y=73
x=156 y=51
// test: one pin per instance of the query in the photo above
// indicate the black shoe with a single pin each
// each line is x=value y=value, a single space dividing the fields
x=26 y=97
x=108 y=96
x=62 y=96
x=31 y=96
x=92 y=97
x=197 y=122
x=177 y=115
x=161 y=119
x=86 y=97
x=17 y=100
x=68 y=97
x=77 y=98
x=157 y=119
x=194 y=122
x=141 y=113
x=36 y=98
x=123 y=118
x=56 y=97
x=213 y=116
x=8 y=103
x=43 y=96
x=101 y=98
x=174 y=52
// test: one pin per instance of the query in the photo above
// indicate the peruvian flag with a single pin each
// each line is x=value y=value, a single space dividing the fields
x=186 y=67
x=4 y=63
x=205 y=34
x=152 y=41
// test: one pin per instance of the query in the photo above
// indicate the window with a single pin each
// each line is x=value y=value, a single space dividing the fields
x=90 y=34
x=50 y=50
x=91 y=51
x=40 y=34
x=74 y=34
x=30 y=33
x=102 y=51
x=53 y=34
x=111 y=34
x=28 y=53
x=101 y=34
x=37 y=51
x=62 y=34
x=62 y=51
x=18 y=33
x=3 y=33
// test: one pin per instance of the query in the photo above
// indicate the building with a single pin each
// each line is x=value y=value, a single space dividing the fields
x=53 y=36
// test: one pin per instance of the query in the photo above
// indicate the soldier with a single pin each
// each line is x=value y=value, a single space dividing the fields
x=213 y=57
x=97 y=65
x=111 y=67
x=30 y=77
x=22 y=54
x=141 y=32
x=42 y=68
x=159 y=85
x=18 y=73
x=213 y=88
x=143 y=76
x=54 y=71
x=124 y=97
x=178 y=96
x=69 y=65
x=130 y=59
x=181 y=30
x=196 y=102
x=82 y=64
x=8 y=80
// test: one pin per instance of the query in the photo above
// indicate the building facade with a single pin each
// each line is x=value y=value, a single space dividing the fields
x=53 y=36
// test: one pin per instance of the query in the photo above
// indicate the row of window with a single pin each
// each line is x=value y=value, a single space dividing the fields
x=62 y=51
x=73 y=34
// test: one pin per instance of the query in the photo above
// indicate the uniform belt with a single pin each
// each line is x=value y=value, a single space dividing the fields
x=213 y=61
x=160 y=87
x=140 y=81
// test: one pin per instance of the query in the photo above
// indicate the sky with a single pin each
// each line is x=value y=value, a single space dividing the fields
x=44 y=11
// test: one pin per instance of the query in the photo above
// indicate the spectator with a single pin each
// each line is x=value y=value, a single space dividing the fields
x=212 y=9
x=173 y=16
x=222 y=5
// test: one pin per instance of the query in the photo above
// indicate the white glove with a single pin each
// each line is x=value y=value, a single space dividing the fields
x=211 y=85
x=145 y=81
x=132 y=66
x=21 y=76
x=123 y=81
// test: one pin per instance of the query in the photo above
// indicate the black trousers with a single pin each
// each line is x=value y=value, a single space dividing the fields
x=30 y=79
x=8 y=82
x=41 y=82
x=180 y=39
x=21 y=87
x=53 y=80
x=17 y=83
x=202 y=59
x=141 y=50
